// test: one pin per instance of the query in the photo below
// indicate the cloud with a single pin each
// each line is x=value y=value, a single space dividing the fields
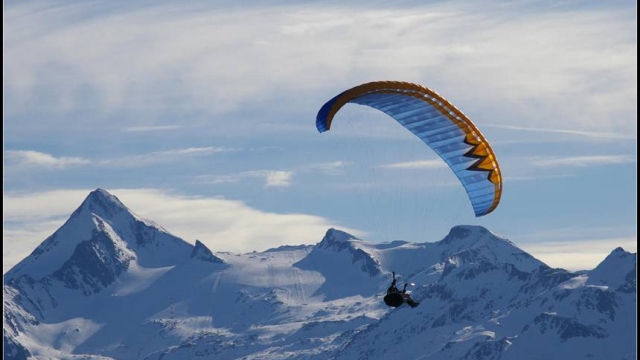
x=221 y=224
x=283 y=178
x=578 y=233
x=23 y=206
x=278 y=178
x=166 y=156
x=151 y=128
x=190 y=151
x=508 y=60
x=272 y=178
x=330 y=168
x=590 y=134
x=29 y=218
x=582 y=161
x=421 y=164
x=537 y=177
x=31 y=158
x=19 y=240
x=578 y=254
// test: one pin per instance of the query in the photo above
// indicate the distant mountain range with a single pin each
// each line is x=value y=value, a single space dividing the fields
x=111 y=285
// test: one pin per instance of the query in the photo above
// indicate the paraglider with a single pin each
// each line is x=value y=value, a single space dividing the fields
x=395 y=297
x=440 y=125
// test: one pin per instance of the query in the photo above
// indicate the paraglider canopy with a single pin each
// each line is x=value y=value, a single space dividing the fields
x=440 y=125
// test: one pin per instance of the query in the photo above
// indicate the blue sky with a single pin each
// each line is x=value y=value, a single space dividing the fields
x=201 y=117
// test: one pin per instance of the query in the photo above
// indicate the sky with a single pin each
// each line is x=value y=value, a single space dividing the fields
x=201 y=117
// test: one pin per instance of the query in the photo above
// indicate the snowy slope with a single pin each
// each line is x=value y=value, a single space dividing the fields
x=109 y=285
x=494 y=311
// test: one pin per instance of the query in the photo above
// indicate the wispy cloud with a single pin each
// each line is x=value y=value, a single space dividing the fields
x=330 y=168
x=20 y=239
x=421 y=164
x=43 y=160
x=29 y=218
x=591 y=134
x=190 y=151
x=272 y=178
x=587 y=77
x=53 y=205
x=36 y=159
x=223 y=225
x=581 y=161
x=578 y=254
x=151 y=128
x=278 y=178
x=577 y=247
x=166 y=156
x=577 y=233
x=537 y=177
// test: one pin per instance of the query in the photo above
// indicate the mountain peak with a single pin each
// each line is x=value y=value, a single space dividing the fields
x=102 y=195
x=102 y=216
x=102 y=203
x=202 y=252
x=615 y=256
x=617 y=268
x=100 y=192
x=334 y=236
x=470 y=243
x=619 y=250
x=462 y=232
x=342 y=259
x=473 y=233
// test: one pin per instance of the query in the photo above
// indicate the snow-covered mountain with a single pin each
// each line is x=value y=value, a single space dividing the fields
x=110 y=285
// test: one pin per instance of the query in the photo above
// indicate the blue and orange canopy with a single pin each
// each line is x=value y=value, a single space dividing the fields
x=439 y=124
